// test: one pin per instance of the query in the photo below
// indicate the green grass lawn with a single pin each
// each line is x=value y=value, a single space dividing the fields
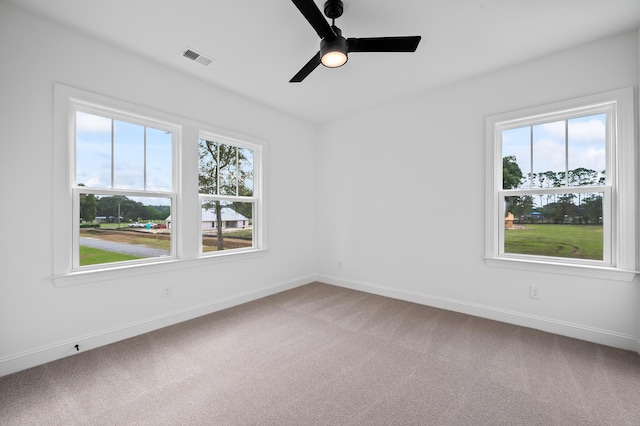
x=571 y=241
x=243 y=234
x=93 y=256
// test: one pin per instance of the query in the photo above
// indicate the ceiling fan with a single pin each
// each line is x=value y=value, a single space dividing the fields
x=334 y=48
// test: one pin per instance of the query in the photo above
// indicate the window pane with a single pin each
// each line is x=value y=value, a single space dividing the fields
x=118 y=228
x=228 y=166
x=234 y=219
x=558 y=225
x=208 y=167
x=93 y=150
x=245 y=172
x=549 y=154
x=516 y=157
x=128 y=156
x=587 y=150
x=159 y=153
x=225 y=169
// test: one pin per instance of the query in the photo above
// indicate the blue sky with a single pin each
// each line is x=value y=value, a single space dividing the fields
x=94 y=155
x=586 y=145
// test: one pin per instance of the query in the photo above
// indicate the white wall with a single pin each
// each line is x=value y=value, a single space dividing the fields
x=39 y=322
x=638 y=200
x=421 y=160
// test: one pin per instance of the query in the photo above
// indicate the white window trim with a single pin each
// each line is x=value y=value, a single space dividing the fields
x=185 y=212
x=622 y=159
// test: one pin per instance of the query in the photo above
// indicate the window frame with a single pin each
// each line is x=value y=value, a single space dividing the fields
x=619 y=219
x=79 y=105
x=185 y=215
x=255 y=199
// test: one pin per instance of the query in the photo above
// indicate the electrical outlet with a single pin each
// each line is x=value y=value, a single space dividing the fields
x=534 y=292
x=167 y=290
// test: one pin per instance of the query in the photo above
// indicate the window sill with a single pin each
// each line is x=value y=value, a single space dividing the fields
x=157 y=267
x=588 y=271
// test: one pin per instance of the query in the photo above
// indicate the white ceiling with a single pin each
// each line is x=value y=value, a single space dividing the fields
x=258 y=45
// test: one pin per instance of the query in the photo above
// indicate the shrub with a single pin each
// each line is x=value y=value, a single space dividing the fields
x=89 y=225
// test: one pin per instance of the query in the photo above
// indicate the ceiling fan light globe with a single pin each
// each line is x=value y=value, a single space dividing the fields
x=334 y=59
x=333 y=51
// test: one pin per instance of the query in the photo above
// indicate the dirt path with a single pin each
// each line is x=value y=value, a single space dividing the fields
x=119 y=247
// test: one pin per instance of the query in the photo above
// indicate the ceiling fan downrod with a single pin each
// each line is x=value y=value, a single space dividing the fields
x=333 y=9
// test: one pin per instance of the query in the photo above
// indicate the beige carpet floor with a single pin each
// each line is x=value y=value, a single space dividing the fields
x=324 y=355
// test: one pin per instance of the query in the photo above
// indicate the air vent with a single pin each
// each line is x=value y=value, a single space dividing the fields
x=191 y=54
x=197 y=57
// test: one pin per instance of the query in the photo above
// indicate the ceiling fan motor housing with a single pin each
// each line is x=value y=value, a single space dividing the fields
x=333 y=9
x=334 y=44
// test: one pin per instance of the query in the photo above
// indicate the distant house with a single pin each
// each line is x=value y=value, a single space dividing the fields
x=108 y=219
x=230 y=219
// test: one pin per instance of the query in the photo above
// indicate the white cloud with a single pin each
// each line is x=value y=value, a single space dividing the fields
x=587 y=131
x=89 y=123
x=548 y=154
x=554 y=129
x=589 y=158
x=580 y=130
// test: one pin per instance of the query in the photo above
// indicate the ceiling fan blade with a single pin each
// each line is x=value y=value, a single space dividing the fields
x=384 y=44
x=306 y=70
x=315 y=17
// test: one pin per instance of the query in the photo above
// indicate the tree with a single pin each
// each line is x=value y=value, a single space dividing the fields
x=129 y=209
x=224 y=170
x=524 y=205
x=511 y=173
x=592 y=208
x=581 y=177
x=603 y=177
x=108 y=207
x=88 y=207
x=565 y=207
x=511 y=178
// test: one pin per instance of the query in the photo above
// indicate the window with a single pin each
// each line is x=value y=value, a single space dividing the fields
x=560 y=187
x=228 y=196
x=122 y=188
x=121 y=208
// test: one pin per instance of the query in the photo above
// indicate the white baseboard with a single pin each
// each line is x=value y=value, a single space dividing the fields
x=577 y=331
x=42 y=355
